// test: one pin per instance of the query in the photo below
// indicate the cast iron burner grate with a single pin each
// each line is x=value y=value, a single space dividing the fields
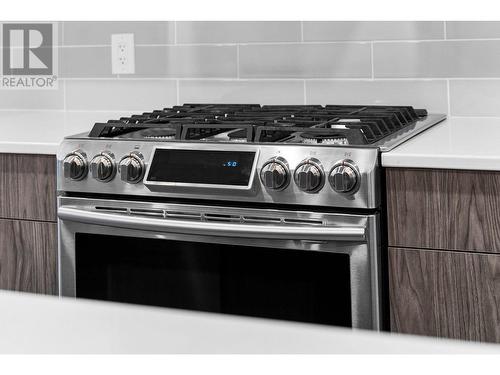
x=331 y=124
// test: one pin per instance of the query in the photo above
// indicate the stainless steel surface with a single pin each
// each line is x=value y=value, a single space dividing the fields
x=401 y=136
x=75 y=166
x=309 y=175
x=275 y=174
x=344 y=177
x=168 y=225
x=103 y=167
x=132 y=168
x=367 y=196
x=355 y=235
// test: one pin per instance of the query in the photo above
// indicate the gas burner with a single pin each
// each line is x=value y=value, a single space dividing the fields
x=162 y=137
x=251 y=123
x=163 y=134
x=238 y=136
x=324 y=138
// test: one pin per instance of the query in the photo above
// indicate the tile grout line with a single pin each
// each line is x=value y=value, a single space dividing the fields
x=445 y=31
x=448 y=96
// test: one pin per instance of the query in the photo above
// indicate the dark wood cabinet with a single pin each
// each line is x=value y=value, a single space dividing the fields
x=28 y=228
x=28 y=187
x=28 y=256
x=444 y=245
x=444 y=209
x=445 y=294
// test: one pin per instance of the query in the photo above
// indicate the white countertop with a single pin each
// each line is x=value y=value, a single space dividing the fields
x=41 y=132
x=456 y=143
x=41 y=324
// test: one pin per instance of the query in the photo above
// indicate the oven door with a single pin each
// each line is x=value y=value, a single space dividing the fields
x=289 y=265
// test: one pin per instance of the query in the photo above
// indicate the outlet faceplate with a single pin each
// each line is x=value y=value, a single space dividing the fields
x=122 y=54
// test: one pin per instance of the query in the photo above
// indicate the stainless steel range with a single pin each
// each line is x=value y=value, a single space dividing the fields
x=265 y=211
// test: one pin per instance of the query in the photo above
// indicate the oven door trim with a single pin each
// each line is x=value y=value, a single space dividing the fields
x=292 y=232
x=355 y=235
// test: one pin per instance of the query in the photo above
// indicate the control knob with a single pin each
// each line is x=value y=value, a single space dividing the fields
x=309 y=175
x=344 y=177
x=275 y=174
x=102 y=167
x=132 y=168
x=75 y=165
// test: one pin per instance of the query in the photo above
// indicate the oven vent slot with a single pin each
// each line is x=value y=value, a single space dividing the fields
x=145 y=212
x=121 y=210
x=220 y=217
x=183 y=215
x=261 y=219
x=303 y=222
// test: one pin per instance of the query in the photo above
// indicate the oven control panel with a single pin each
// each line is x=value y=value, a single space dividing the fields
x=281 y=174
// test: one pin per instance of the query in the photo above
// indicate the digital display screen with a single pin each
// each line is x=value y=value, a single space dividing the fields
x=202 y=167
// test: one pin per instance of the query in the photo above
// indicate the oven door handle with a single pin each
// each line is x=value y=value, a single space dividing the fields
x=284 y=232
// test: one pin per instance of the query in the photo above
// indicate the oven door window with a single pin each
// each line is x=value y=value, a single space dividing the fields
x=304 y=286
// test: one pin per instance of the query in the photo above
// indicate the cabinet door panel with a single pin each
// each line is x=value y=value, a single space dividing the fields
x=445 y=294
x=444 y=209
x=28 y=256
x=28 y=187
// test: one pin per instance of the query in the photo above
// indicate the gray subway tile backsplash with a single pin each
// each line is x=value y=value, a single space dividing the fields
x=472 y=29
x=152 y=62
x=328 y=60
x=437 y=59
x=429 y=94
x=186 y=61
x=277 y=62
x=120 y=95
x=475 y=97
x=99 y=33
x=242 y=91
x=372 y=30
x=201 y=62
x=238 y=32
x=33 y=98
x=85 y=62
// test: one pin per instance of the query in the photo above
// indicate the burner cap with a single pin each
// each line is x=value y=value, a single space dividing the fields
x=326 y=138
x=238 y=135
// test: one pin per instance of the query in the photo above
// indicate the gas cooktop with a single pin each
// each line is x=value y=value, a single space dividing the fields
x=339 y=125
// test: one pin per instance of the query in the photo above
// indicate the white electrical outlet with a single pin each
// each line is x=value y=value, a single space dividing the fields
x=122 y=54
